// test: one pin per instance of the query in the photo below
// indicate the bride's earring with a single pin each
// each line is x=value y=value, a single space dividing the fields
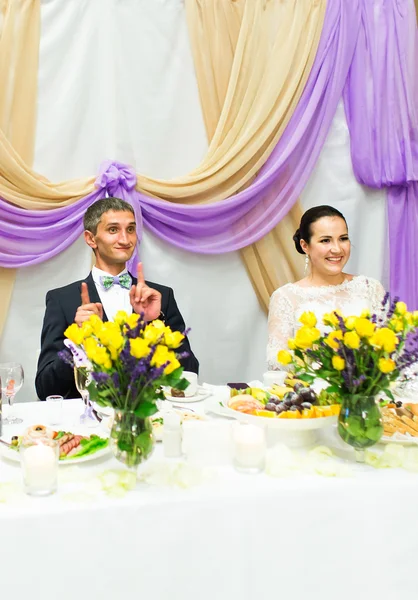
x=306 y=264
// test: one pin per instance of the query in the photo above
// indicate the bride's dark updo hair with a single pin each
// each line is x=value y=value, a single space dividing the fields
x=310 y=216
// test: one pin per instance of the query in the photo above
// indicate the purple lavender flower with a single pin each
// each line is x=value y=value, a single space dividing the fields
x=116 y=379
x=100 y=378
x=67 y=357
x=359 y=381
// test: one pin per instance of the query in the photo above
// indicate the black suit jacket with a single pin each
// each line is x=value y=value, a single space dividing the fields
x=53 y=375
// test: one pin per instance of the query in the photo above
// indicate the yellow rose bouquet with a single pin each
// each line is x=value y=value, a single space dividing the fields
x=129 y=360
x=357 y=355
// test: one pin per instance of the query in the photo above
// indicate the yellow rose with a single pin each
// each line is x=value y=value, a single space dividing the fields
x=284 y=357
x=158 y=324
x=400 y=308
x=173 y=339
x=306 y=336
x=364 y=327
x=386 y=365
x=397 y=324
x=97 y=354
x=291 y=344
x=331 y=318
x=139 y=347
x=338 y=363
x=160 y=356
x=74 y=333
x=352 y=340
x=365 y=313
x=163 y=355
x=415 y=317
x=408 y=318
x=332 y=339
x=87 y=329
x=95 y=322
x=109 y=331
x=172 y=366
x=102 y=358
x=350 y=322
x=308 y=318
x=384 y=339
x=155 y=331
x=121 y=317
x=132 y=320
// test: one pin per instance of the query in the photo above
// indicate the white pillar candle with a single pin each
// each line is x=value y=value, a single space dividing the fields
x=40 y=468
x=249 y=447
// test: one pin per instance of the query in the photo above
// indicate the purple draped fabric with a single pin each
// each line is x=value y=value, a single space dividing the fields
x=238 y=221
x=381 y=103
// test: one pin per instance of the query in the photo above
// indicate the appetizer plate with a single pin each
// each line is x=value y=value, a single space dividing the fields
x=202 y=394
x=13 y=455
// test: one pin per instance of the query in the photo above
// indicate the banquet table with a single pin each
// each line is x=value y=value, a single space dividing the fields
x=231 y=536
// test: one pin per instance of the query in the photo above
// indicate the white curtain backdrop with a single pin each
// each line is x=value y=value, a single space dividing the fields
x=116 y=80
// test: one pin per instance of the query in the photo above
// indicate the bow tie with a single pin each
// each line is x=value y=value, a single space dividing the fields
x=124 y=280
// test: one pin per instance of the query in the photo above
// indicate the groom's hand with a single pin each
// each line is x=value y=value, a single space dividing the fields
x=145 y=299
x=87 y=308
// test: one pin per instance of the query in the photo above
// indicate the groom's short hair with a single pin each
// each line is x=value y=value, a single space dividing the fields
x=95 y=211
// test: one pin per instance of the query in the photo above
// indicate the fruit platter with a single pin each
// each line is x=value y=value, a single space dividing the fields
x=293 y=406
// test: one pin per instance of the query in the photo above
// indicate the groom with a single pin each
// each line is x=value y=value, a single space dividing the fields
x=110 y=230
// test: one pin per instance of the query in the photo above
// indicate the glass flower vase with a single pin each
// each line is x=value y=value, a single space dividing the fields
x=131 y=438
x=360 y=423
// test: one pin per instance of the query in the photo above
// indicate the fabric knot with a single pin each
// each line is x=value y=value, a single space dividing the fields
x=114 y=175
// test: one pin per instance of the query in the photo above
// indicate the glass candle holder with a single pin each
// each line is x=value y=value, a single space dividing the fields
x=249 y=447
x=54 y=405
x=39 y=462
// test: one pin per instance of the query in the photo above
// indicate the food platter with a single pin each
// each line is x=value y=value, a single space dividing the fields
x=282 y=424
x=74 y=448
x=13 y=455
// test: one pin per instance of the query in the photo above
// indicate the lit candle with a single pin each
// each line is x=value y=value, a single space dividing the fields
x=40 y=467
x=249 y=447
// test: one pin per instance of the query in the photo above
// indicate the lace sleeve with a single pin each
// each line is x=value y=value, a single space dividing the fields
x=280 y=327
x=376 y=293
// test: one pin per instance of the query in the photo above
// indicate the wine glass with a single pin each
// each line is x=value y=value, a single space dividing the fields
x=11 y=377
x=83 y=379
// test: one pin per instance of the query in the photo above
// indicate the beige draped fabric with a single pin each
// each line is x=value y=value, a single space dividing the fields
x=416 y=8
x=258 y=104
x=19 y=45
x=272 y=53
x=214 y=29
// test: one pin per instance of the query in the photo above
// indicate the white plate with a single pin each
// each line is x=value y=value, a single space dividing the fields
x=284 y=424
x=13 y=455
x=399 y=439
x=202 y=394
x=185 y=415
x=103 y=411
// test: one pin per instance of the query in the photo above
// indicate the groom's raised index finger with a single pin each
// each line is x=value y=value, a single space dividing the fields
x=140 y=274
x=85 y=298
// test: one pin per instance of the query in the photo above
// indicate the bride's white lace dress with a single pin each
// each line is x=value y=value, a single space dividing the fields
x=290 y=301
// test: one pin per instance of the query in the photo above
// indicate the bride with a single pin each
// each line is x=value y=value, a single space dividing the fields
x=323 y=237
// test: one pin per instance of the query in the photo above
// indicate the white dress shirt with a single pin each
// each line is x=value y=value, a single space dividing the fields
x=115 y=298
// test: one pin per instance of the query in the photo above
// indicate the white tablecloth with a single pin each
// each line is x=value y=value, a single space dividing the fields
x=236 y=536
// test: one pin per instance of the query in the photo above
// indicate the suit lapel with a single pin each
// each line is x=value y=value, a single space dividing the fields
x=93 y=293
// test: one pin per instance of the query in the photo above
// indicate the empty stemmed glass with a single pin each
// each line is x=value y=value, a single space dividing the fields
x=82 y=379
x=11 y=377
